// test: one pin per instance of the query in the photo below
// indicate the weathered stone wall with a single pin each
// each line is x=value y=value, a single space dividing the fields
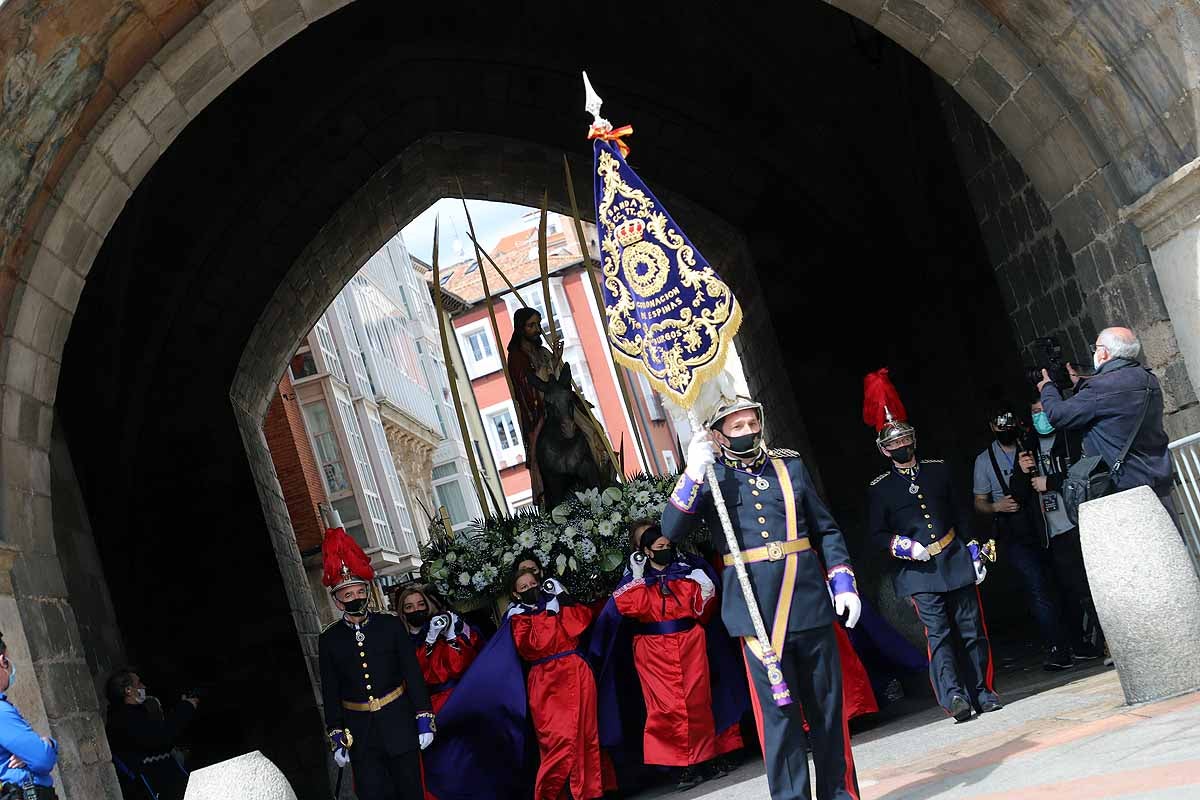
x=1051 y=290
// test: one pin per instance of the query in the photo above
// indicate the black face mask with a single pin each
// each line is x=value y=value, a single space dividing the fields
x=529 y=597
x=901 y=455
x=663 y=557
x=357 y=607
x=1006 y=437
x=745 y=444
x=417 y=619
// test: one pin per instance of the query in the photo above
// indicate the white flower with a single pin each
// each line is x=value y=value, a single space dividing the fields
x=547 y=540
x=561 y=563
x=605 y=528
x=586 y=549
x=615 y=516
x=452 y=556
x=507 y=559
x=526 y=538
x=569 y=532
x=464 y=578
x=642 y=497
x=589 y=525
x=542 y=555
x=478 y=581
x=490 y=571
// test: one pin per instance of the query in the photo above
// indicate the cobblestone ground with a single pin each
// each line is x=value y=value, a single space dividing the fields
x=1063 y=736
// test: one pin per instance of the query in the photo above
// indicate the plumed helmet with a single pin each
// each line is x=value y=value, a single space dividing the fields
x=345 y=563
x=883 y=410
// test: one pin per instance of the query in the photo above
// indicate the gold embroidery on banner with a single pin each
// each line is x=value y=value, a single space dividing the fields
x=687 y=345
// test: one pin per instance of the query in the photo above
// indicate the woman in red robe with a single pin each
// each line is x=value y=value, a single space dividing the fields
x=445 y=644
x=562 y=692
x=671 y=600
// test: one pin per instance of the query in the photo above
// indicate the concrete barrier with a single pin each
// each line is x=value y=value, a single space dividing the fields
x=1146 y=592
x=248 y=777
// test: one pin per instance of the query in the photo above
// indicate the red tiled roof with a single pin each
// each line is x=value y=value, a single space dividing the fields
x=516 y=255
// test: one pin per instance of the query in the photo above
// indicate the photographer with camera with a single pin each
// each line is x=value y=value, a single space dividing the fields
x=1119 y=411
x=142 y=737
x=1005 y=493
x=1046 y=457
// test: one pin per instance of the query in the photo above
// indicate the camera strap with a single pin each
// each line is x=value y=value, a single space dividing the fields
x=996 y=468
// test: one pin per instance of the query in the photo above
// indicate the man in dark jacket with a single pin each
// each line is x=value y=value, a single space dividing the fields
x=1107 y=405
x=142 y=737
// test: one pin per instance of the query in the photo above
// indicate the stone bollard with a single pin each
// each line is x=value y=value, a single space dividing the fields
x=1146 y=592
x=248 y=777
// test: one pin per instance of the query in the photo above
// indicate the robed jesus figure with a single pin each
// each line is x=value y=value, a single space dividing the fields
x=535 y=370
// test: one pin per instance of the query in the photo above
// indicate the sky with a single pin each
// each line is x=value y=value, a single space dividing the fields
x=492 y=221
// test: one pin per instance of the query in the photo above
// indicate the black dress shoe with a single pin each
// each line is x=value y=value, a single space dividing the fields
x=990 y=705
x=689 y=778
x=960 y=709
x=1086 y=651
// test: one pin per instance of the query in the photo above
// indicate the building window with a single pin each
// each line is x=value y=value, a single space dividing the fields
x=500 y=421
x=478 y=349
x=448 y=486
x=303 y=364
x=320 y=427
x=669 y=460
x=333 y=364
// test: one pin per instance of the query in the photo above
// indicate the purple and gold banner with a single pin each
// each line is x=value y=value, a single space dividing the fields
x=670 y=316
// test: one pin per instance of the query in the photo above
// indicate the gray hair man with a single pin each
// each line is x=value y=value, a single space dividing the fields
x=1107 y=405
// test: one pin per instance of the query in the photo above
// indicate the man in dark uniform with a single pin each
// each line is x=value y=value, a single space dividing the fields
x=917 y=517
x=788 y=539
x=376 y=703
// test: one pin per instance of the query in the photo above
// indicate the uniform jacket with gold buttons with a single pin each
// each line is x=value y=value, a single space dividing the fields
x=759 y=517
x=900 y=515
x=361 y=671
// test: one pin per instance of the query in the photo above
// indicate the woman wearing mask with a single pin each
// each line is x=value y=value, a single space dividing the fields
x=444 y=643
x=546 y=625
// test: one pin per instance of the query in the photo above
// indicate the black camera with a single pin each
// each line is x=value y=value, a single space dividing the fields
x=1048 y=355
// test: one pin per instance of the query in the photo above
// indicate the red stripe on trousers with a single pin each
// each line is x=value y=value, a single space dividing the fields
x=758 y=719
x=929 y=654
x=991 y=673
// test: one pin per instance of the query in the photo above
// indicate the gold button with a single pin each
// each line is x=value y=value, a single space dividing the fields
x=922 y=505
x=364 y=665
x=758 y=506
x=370 y=696
x=920 y=497
x=755 y=493
x=750 y=481
x=931 y=526
x=765 y=535
x=367 y=675
x=762 y=520
x=362 y=654
x=369 y=689
x=926 y=516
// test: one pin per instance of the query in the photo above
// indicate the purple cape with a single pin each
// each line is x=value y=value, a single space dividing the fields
x=480 y=744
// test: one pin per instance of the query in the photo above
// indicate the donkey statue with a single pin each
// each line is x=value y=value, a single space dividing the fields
x=564 y=457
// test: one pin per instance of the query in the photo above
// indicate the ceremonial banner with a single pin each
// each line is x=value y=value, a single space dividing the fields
x=670 y=316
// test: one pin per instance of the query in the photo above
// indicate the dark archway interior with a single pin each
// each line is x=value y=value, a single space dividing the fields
x=819 y=139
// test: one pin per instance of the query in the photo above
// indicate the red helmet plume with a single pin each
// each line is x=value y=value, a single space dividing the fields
x=881 y=401
x=344 y=561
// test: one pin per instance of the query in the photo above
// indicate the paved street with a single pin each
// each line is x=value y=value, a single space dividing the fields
x=1075 y=740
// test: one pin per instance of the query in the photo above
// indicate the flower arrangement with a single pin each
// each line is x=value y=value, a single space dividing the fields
x=584 y=542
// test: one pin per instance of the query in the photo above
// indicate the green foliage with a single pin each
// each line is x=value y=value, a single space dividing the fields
x=584 y=542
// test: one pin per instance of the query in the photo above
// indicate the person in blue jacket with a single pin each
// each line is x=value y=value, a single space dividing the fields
x=26 y=759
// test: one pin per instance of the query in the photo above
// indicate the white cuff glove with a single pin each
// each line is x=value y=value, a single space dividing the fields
x=699 y=456
x=919 y=553
x=425 y=739
x=637 y=566
x=707 y=589
x=436 y=626
x=552 y=586
x=341 y=757
x=980 y=572
x=454 y=627
x=552 y=605
x=514 y=608
x=849 y=601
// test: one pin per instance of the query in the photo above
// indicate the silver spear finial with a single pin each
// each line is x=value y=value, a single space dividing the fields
x=592 y=105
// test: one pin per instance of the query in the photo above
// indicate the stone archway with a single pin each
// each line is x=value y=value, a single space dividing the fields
x=133 y=78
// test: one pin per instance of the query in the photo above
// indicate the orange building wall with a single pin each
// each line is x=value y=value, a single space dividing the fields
x=297 y=468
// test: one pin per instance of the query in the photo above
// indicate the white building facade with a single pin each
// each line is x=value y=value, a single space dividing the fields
x=371 y=381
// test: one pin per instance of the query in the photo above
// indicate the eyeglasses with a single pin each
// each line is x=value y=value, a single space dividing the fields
x=1095 y=347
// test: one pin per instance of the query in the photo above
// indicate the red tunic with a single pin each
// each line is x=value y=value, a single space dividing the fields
x=562 y=702
x=445 y=663
x=673 y=668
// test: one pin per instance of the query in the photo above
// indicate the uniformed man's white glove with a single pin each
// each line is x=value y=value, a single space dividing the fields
x=637 y=566
x=436 y=626
x=699 y=456
x=341 y=757
x=848 y=601
x=707 y=589
x=980 y=572
x=425 y=740
x=919 y=553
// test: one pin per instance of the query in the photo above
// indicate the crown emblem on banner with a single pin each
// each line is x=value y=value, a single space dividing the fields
x=629 y=231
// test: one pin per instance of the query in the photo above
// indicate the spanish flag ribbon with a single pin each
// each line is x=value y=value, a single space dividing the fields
x=610 y=134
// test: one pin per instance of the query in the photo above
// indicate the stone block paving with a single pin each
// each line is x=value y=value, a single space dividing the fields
x=1076 y=740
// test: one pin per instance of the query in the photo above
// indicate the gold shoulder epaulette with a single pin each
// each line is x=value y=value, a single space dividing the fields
x=782 y=452
x=881 y=477
x=933 y=461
